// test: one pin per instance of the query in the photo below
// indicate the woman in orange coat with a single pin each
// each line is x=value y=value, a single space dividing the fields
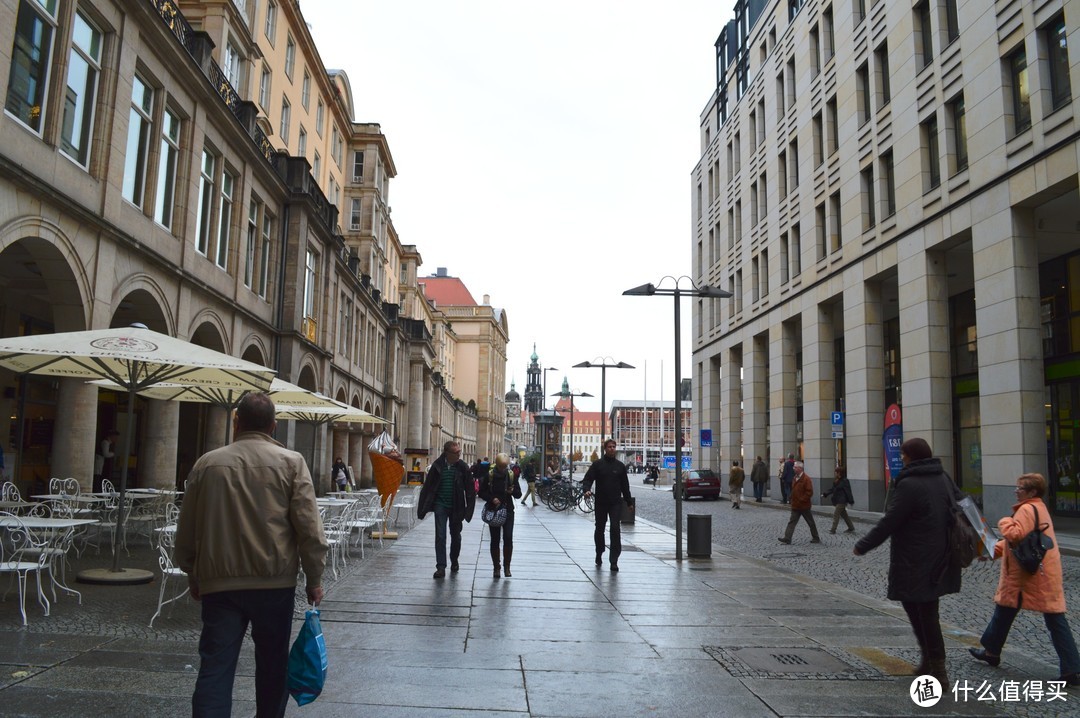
x=1042 y=591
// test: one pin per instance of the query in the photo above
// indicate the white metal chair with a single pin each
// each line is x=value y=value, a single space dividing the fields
x=54 y=543
x=10 y=492
x=18 y=558
x=365 y=516
x=408 y=502
x=166 y=541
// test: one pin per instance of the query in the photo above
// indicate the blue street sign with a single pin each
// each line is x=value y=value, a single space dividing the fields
x=837 y=418
x=706 y=437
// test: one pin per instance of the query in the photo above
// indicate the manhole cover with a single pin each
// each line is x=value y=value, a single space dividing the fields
x=793 y=663
x=784 y=555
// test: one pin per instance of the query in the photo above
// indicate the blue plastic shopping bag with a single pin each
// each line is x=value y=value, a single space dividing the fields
x=307 y=661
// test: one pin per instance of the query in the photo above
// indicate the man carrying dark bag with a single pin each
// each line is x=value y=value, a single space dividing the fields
x=612 y=486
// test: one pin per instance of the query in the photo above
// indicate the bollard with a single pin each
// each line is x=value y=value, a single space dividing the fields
x=699 y=535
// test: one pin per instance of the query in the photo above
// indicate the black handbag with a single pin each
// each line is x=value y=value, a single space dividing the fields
x=1029 y=551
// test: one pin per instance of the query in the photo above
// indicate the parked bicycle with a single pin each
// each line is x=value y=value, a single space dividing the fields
x=559 y=494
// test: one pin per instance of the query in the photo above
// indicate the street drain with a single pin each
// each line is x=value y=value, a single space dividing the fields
x=793 y=663
x=770 y=556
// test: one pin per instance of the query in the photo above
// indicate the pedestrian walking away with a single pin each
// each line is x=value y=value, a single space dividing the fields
x=735 y=484
x=759 y=477
x=917 y=518
x=499 y=488
x=529 y=472
x=841 y=495
x=787 y=477
x=1042 y=591
x=248 y=524
x=802 y=497
x=612 y=487
x=449 y=491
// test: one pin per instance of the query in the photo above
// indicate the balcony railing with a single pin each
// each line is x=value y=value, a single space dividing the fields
x=176 y=22
x=309 y=329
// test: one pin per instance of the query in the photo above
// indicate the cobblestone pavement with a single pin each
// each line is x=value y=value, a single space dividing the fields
x=753 y=531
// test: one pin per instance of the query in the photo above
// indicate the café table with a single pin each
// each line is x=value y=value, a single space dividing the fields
x=15 y=506
x=47 y=524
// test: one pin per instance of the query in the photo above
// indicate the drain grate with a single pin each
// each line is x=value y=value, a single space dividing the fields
x=793 y=663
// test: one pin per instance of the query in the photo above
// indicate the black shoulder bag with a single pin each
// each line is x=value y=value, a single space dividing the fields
x=1029 y=551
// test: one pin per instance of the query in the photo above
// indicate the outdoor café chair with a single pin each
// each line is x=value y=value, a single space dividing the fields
x=20 y=556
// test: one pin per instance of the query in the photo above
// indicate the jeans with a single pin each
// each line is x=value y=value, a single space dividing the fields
x=603 y=513
x=759 y=490
x=225 y=617
x=993 y=638
x=444 y=516
x=785 y=490
x=927 y=627
x=506 y=531
x=794 y=520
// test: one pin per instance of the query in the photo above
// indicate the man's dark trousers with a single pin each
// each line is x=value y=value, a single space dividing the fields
x=225 y=618
x=604 y=512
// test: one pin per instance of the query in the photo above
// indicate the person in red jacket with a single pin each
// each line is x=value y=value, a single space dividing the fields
x=802 y=494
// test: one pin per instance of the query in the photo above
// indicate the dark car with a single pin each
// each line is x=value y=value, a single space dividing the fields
x=700 y=482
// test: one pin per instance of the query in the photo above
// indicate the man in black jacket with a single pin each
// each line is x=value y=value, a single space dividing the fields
x=612 y=485
x=450 y=492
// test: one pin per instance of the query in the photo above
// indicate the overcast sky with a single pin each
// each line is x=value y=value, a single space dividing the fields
x=544 y=153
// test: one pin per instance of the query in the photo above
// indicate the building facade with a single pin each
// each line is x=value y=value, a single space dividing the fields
x=886 y=247
x=186 y=167
x=645 y=432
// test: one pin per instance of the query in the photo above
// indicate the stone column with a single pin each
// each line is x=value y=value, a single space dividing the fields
x=784 y=340
x=731 y=410
x=755 y=385
x=925 y=367
x=75 y=432
x=864 y=364
x=1011 y=380
x=217 y=419
x=819 y=393
x=157 y=462
x=416 y=405
x=427 y=416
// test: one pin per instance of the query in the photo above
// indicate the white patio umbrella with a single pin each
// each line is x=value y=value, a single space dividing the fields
x=135 y=358
x=326 y=414
x=280 y=391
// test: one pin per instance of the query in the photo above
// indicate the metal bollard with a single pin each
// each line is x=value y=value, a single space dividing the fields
x=699 y=535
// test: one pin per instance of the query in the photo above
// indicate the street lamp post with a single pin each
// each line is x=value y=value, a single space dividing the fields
x=649 y=290
x=571 y=394
x=603 y=366
x=546 y=370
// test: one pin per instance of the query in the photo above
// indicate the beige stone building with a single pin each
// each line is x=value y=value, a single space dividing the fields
x=196 y=168
x=478 y=334
x=890 y=191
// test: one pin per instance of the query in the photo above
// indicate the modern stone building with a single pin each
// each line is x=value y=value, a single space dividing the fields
x=890 y=191
x=196 y=168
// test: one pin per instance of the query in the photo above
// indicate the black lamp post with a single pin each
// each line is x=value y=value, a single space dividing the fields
x=603 y=366
x=571 y=394
x=649 y=290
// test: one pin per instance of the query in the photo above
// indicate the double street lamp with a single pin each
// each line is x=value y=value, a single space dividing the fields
x=603 y=366
x=649 y=290
x=571 y=394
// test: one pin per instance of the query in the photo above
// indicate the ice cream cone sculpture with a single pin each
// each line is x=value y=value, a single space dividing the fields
x=388 y=474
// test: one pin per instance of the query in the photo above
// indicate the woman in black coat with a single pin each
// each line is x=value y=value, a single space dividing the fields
x=917 y=519
x=499 y=488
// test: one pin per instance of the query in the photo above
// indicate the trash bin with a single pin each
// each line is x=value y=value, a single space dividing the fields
x=699 y=535
x=628 y=511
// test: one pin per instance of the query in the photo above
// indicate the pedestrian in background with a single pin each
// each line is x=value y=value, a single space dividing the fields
x=802 y=498
x=612 y=487
x=500 y=488
x=841 y=497
x=449 y=491
x=530 y=483
x=759 y=476
x=248 y=523
x=787 y=477
x=1042 y=591
x=735 y=484
x=917 y=518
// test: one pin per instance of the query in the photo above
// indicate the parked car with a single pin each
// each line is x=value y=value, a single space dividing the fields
x=700 y=482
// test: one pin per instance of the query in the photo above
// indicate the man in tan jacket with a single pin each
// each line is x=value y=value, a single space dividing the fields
x=249 y=522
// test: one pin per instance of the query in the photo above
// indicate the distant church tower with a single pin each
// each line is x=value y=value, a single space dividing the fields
x=534 y=392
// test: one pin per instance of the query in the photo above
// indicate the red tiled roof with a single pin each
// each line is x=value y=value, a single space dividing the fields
x=447 y=291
